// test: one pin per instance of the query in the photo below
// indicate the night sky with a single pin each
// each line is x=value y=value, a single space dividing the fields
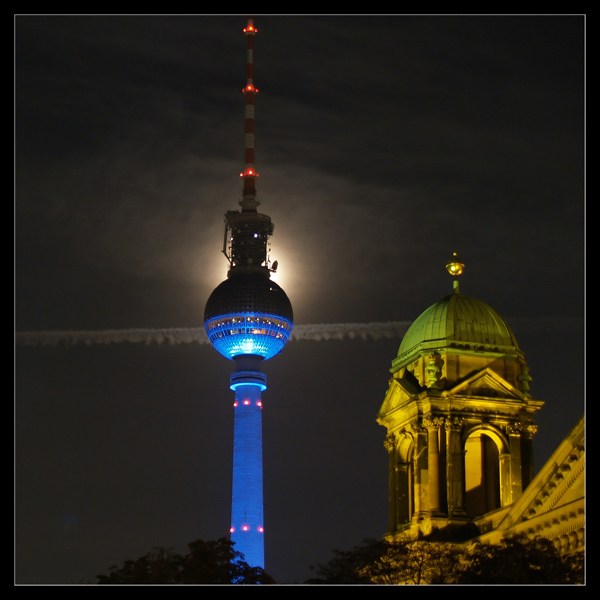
x=384 y=144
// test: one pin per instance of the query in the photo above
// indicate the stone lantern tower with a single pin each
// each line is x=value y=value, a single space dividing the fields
x=459 y=417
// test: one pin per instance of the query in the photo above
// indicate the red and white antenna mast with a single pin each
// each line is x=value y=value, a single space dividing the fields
x=249 y=201
x=246 y=234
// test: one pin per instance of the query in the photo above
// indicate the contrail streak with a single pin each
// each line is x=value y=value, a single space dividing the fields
x=314 y=332
x=197 y=335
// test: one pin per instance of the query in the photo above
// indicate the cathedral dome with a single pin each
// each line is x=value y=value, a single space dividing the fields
x=457 y=323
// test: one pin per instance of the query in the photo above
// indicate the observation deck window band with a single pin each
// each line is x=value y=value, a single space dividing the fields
x=265 y=346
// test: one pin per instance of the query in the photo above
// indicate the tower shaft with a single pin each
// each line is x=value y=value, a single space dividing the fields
x=247 y=520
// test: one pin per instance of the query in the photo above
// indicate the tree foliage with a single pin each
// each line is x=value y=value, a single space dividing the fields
x=347 y=566
x=516 y=560
x=415 y=563
x=207 y=562
x=391 y=563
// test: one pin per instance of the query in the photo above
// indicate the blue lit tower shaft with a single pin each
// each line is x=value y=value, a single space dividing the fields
x=247 y=518
x=248 y=319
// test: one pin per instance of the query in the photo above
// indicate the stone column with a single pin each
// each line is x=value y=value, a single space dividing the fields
x=433 y=463
x=390 y=445
x=516 y=476
x=419 y=469
x=527 y=453
x=455 y=468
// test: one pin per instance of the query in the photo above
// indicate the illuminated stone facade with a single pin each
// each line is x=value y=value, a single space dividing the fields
x=553 y=505
x=460 y=422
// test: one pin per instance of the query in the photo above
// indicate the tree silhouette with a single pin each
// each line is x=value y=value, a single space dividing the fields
x=516 y=560
x=416 y=562
x=348 y=565
x=207 y=562
x=519 y=560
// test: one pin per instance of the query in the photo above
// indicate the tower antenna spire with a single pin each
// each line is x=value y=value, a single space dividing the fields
x=249 y=200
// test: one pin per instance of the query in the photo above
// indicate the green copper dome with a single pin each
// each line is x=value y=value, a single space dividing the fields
x=457 y=323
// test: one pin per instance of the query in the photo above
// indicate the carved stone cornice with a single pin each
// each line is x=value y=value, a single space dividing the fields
x=565 y=528
x=557 y=487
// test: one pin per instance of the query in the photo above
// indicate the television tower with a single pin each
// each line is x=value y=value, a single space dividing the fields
x=248 y=319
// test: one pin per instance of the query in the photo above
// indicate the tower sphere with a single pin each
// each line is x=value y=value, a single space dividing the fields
x=248 y=313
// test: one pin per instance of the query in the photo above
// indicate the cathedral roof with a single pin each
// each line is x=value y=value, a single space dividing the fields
x=460 y=323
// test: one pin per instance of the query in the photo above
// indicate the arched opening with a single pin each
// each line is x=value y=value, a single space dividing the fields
x=405 y=483
x=482 y=474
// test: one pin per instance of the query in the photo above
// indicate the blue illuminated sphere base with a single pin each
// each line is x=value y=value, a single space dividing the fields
x=248 y=314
